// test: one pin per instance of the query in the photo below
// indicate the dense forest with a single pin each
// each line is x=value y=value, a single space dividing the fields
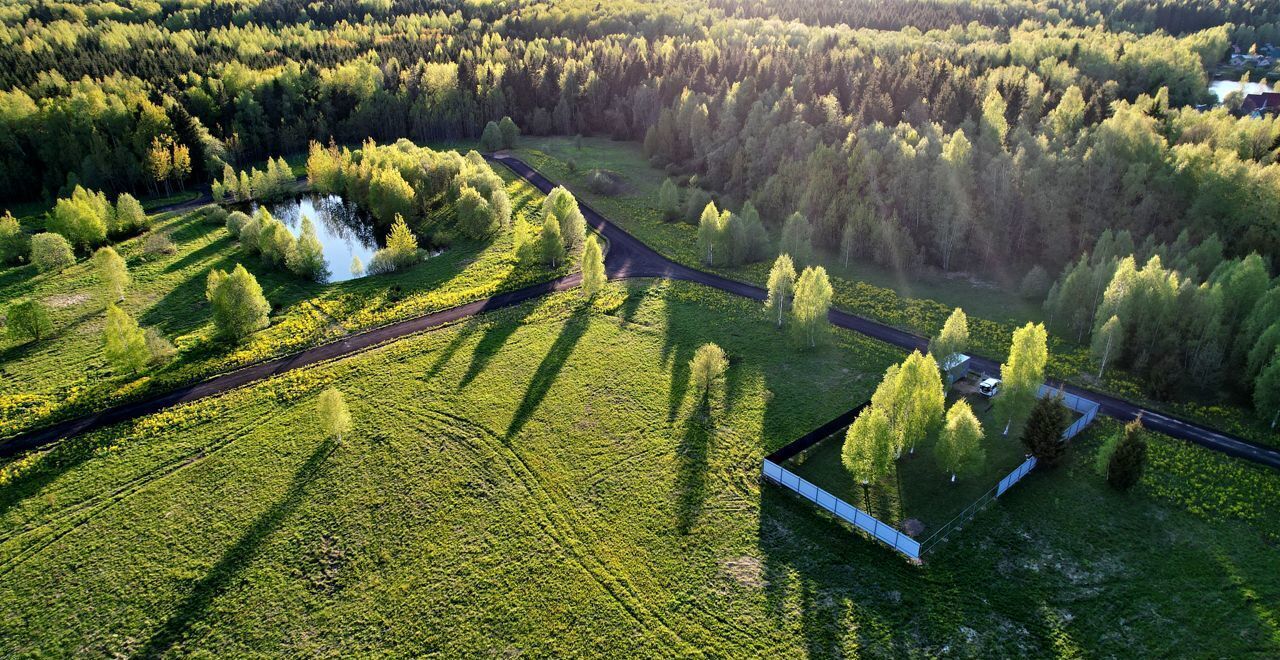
x=987 y=137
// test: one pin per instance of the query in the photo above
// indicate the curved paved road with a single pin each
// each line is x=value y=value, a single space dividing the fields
x=627 y=258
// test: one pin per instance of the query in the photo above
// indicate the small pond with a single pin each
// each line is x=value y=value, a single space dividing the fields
x=1221 y=88
x=344 y=230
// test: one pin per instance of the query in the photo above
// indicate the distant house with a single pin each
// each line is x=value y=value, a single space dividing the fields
x=1264 y=103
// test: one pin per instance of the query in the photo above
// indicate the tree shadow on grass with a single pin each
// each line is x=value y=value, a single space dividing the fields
x=548 y=370
x=693 y=456
x=195 y=256
x=812 y=559
x=237 y=557
x=496 y=335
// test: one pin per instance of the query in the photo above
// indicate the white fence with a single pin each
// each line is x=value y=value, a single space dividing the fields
x=886 y=533
x=880 y=531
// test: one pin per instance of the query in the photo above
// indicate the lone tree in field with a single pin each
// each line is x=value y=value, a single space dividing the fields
x=959 y=449
x=510 y=132
x=307 y=257
x=811 y=303
x=239 y=308
x=1023 y=373
x=335 y=418
x=51 y=252
x=1042 y=435
x=708 y=364
x=953 y=339
x=491 y=138
x=1266 y=390
x=1107 y=342
x=125 y=345
x=669 y=200
x=28 y=319
x=782 y=285
x=868 y=447
x=1128 y=457
x=593 y=275
x=113 y=273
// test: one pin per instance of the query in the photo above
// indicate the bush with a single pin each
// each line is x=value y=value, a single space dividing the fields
x=1035 y=286
x=28 y=319
x=216 y=215
x=239 y=308
x=604 y=182
x=157 y=244
x=236 y=221
x=491 y=138
x=160 y=349
x=15 y=246
x=475 y=217
x=51 y=252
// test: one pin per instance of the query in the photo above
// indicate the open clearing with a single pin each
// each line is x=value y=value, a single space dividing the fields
x=540 y=480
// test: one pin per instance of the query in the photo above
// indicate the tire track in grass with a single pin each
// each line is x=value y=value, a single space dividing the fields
x=498 y=446
x=98 y=504
x=556 y=523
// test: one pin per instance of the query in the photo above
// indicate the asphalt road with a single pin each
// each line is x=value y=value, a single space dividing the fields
x=627 y=257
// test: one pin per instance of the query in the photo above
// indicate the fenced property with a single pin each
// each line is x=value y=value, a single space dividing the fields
x=775 y=470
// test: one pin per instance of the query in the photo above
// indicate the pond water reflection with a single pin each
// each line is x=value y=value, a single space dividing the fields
x=345 y=231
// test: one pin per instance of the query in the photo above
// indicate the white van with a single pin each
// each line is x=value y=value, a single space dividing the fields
x=989 y=386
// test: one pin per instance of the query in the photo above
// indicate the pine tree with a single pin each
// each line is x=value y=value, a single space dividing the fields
x=334 y=416
x=125 y=343
x=959 y=449
x=112 y=272
x=593 y=273
x=1042 y=435
x=782 y=284
x=1128 y=458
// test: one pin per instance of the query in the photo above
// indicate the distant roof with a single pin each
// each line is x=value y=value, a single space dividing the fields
x=954 y=361
x=1261 y=101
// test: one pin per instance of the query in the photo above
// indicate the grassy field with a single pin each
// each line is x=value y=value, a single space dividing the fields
x=67 y=375
x=541 y=481
x=906 y=300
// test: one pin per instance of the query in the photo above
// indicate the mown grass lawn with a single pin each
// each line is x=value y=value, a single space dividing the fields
x=66 y=374
x=917 y=303
x=540 y=480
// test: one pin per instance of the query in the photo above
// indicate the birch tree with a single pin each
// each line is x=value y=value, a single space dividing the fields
x=782 y=285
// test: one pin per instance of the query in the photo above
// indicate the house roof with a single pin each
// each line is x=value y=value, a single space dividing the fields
x=1260 y=101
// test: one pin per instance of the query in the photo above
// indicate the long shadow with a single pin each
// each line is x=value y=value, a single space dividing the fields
x=691 y=474
x=548 y=370
x=236 y=558
x=195 y=256
x=495 y=336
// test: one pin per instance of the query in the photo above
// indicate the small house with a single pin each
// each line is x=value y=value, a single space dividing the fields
x=955 y=367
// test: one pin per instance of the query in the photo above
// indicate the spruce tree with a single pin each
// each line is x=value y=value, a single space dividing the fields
x=1124 y=468
x=1042 y=435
